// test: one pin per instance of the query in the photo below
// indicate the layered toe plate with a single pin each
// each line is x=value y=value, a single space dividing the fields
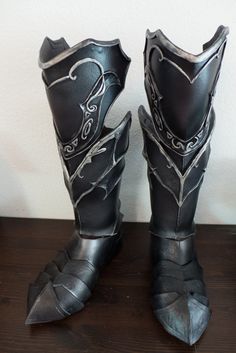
x=180 y=88
x=67 y=282
x=178 y=292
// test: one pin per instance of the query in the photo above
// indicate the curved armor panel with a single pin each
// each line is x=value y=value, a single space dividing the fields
x=180 y=88
x=82 y=83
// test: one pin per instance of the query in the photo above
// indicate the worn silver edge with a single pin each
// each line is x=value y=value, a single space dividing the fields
x=66 y=53
x=194 y=58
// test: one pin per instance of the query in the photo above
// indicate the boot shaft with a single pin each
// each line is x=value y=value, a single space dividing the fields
x=82 y=83
x=180 y=89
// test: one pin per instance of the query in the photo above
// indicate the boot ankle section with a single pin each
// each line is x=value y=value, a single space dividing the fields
x=178 y=251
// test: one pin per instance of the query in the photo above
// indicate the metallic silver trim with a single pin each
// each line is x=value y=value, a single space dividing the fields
x=66 y=53
x=98 y=181
x=95 y=150
x=113 y=186
x=70 y=146
x=177 y=144
x=191 y=80
x=86 y=107
x=182 y=177
x=218 y=38
x=86 y=129
x=73 y=68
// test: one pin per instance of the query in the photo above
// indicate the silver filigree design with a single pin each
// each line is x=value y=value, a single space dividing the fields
x=87 y=160
x=97 y=149
x=70 y=75
x=166 y=135
x=209 y=48
x=71 y=147
x=68 y=52
x=86 y=129
x=195 y=77
x=182 y=176
x=88 y=107
x=180 y=146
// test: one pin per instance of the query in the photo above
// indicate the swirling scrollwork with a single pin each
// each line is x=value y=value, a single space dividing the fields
x=86 y=129
x=70 y=148
x=90 y=107
x=183 y=147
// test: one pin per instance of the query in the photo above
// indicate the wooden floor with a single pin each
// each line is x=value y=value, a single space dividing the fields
x=118 y=317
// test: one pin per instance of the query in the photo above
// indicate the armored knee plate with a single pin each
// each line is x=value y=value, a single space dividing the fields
x=81 y=84
x=180 y=88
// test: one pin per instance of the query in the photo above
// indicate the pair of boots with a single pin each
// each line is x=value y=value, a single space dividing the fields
x=81 y=83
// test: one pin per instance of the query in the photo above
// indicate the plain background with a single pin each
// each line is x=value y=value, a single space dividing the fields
x=31 y=177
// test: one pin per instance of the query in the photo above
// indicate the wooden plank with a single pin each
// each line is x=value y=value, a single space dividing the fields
x=118 y=317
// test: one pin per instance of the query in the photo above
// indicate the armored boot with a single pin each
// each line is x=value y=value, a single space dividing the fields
x=180 y=88
x=81 y=84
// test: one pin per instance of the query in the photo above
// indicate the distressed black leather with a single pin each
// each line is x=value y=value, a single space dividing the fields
x=180 y=88
x=81 y=84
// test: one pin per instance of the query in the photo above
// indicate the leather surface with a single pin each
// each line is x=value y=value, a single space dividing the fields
x=81 y=88
x=66 y=283
x=180 y=88
x=178 y=132
x=81 y=84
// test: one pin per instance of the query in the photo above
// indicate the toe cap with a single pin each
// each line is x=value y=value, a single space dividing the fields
x=44 y=308
x=186 y=318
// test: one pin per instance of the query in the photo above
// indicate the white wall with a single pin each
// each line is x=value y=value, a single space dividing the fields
x=31 y=178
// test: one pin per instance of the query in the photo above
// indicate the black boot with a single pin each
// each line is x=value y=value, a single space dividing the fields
x=180 y=89
x=81 y=83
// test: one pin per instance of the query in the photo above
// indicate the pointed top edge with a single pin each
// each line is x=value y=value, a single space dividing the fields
x=66 y=53
x=217 y=40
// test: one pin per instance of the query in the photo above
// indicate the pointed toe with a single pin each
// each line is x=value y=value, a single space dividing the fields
x=66 y=283
x=177 y=136
x=186 y=318
x=43 y=307
x=199 y=316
